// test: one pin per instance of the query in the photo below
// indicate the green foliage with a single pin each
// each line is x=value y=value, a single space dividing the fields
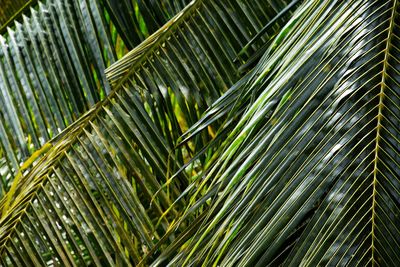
x=40 y=58
x=110 y=171
x=239 y=133
x=52 y=70
x=311 y=179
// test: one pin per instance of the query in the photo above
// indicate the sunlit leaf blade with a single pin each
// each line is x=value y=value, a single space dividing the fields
x=314 y=178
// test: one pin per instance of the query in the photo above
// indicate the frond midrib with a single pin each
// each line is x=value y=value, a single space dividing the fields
x=379 y=126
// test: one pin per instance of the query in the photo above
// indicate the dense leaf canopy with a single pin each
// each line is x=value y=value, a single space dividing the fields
x=237 y=133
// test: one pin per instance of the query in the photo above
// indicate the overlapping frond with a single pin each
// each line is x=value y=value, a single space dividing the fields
x=51 y=71
x=304 y=169
x=188 y=63
x=310 y=174
x=102 y=194
x=91 y=198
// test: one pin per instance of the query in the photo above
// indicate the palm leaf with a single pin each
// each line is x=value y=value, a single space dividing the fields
x=41 y=92
x=84 y=41
x=41 y=56
x=182 y=74
x=309 y=175
x=96 y=197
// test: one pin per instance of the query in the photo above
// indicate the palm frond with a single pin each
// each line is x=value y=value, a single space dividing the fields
x=186 y=68
x=92 y=194
x=51 y=71
x=309 y=175
x=96 y=196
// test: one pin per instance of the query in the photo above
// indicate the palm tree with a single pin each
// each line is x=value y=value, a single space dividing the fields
x=239 y=133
